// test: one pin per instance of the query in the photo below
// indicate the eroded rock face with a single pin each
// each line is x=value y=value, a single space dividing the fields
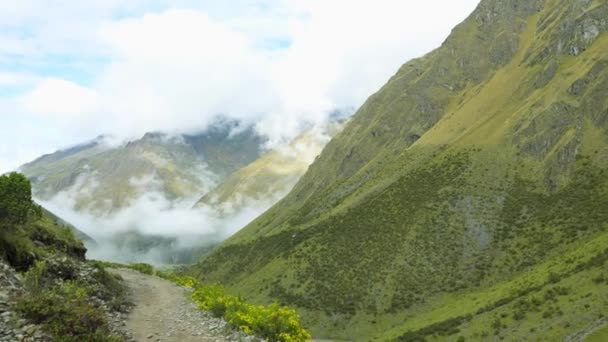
x=570 y=32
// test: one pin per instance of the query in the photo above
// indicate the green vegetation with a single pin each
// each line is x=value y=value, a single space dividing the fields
x=57 y=294
x=272 y=322
x=27 y=232
x=181 y=280
x=16 y=199
x=143 y=268
x=598 y=336
x=63 y=307
x=176 y=162
x=467 y=199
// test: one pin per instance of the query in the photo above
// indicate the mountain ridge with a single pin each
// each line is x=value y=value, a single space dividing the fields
x=471 y=166
x=177 y=166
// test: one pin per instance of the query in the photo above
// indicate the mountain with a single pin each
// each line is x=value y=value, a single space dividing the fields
x=466 y=199
x=136 y=198
x=273 y=175
x=127 y=195
x=100 y=178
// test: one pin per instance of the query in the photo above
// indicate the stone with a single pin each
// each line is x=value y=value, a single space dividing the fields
x=30 y=329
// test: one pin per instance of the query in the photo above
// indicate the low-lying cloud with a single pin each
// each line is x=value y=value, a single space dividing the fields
x=161 y=228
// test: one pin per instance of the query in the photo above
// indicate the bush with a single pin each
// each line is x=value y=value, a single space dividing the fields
x=62 y=309
x=15 y=198
x=143 y=268
x=272 y=322
x=112 y=290
x=185 y=281
x=17 y=249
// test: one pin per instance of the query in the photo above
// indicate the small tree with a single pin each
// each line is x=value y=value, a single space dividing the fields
x=15 y=198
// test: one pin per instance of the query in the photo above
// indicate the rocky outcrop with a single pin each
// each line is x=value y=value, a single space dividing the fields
x=13 y=327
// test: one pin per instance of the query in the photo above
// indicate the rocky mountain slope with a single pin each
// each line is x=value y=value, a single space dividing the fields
x=100 y=178
x=466 y=199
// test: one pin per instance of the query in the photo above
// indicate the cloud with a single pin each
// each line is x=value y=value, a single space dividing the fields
x=121 y=68
x=175 y=71
x=165 y=228
x=155 y=228
x=16 y=79
x=60 y=99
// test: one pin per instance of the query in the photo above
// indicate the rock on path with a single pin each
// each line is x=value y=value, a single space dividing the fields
x=164 y=312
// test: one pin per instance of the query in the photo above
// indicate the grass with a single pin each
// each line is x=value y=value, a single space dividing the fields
x=450 y=231
x=64 y=308
x=23 y=245
x=599 y=336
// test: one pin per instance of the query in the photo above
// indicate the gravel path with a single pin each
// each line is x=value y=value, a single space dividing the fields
x=164 y=312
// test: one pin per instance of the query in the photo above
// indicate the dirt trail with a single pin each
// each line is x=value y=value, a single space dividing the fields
x=164 y=312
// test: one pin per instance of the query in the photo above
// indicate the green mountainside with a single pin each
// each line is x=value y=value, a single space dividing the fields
x=466 y=199
x=100 y=179
x=48 y=291
x=271 y=176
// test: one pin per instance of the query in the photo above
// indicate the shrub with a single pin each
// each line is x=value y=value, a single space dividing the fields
x=112 y=290
x=143 y=268
x=599 y=279
x=272 y=322
x=185 y=281
x=62 y=309
x=519 y=315
x=15 y=198
x=17 y=249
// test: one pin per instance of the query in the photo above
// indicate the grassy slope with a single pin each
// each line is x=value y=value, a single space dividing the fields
x=472 y=181
x=61 y=293
x=23 y=245
x=272 y=175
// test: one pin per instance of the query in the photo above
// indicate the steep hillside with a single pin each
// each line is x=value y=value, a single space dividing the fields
x=101 y=178
x=271 y=176
x=467 y=197
x=80 y=235
x=58 y=296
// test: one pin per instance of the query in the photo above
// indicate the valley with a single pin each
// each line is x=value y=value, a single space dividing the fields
x=170 y=199
x=466 y=199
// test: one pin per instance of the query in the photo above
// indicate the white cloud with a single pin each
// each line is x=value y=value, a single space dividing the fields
x=159 y=65
x=176 y=70
x=16 y=79
x=152 y=215
x=60 y=99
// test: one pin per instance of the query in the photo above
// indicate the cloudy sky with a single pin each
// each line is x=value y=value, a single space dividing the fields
x=71 y=70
